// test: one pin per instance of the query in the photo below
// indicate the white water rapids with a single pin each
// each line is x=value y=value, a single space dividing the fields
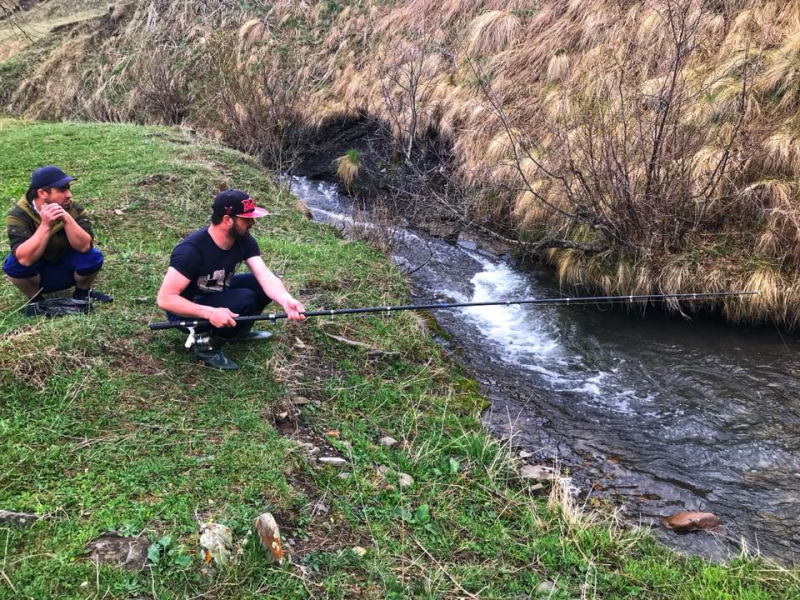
x=659 y=413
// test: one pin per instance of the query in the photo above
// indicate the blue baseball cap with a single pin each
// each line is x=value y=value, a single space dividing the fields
x=49 y=176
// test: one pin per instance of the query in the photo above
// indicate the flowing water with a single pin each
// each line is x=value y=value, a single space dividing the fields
x=659 y=413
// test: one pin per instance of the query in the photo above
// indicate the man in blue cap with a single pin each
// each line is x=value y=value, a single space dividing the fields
x=200 y=282
x=51 y=242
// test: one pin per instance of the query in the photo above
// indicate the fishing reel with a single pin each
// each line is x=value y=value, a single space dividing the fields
x=197 y=339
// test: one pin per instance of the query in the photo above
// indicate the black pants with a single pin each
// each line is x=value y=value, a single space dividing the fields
x=243 y=296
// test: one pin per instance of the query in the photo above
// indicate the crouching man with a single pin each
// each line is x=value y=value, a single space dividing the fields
x=51 y=242
x=200 y=282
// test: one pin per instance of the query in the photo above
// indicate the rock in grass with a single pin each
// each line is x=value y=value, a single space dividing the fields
x=17 y=518
x=405 y=480
x=333 y=461
x=130 y=553
x=270 y=536
x=358 y=550
x=216 y=542
x=691 y=521
x=536 y=472
x=387 y=442
x=546 y=589
x=300 y=401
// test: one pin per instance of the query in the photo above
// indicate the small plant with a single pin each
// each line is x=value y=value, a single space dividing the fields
x=163 y=553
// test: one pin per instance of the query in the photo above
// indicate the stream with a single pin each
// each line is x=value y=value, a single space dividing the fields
x=656 y=412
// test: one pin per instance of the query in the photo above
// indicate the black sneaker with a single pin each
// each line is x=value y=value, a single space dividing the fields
x=32 y=310
x=251 y=336
x=215 y=358
x=91 y=294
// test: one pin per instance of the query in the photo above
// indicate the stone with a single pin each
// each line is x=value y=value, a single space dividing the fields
x=536 y=472
x=17 y=519
x=343 y=475
x=387 y=441
x=359 y=551
x=691 y=521
x=216 y=543
x=111 y=548
x=405 y=480
x=333 y=433
x=281 y=417
x=523 y=454
x=384 y=470
x=333 y=461
x=546 y=588
x=300 y=401
x=269 y=535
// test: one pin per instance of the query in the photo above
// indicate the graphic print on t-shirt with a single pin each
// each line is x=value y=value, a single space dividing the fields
x=214 y=282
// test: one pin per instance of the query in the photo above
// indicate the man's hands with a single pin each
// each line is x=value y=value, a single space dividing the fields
x=222 y=317
x=52 y=214
x=293 y=309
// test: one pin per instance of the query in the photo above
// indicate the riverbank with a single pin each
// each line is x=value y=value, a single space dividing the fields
x=107 y=426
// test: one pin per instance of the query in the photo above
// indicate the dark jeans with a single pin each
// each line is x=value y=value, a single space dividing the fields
x=243 y=296
x=60 y=275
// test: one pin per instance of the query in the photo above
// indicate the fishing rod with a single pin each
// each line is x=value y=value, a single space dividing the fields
x=567 y=301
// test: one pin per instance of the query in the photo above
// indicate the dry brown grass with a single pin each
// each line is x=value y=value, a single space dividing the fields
x=492 y=32
x=347 y=167
x=552 y=68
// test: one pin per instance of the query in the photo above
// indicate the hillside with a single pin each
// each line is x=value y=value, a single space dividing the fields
x=640 y=147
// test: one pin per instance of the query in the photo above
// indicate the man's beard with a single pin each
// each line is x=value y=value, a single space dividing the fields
x=235 y=234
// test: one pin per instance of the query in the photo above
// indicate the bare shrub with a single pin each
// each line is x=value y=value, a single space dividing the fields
x=253 y=102
x=615 y=165
x=163 y=90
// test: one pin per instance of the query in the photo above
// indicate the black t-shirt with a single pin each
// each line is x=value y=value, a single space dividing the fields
x=207 y=266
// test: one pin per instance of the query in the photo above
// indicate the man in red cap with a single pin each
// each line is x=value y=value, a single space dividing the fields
x=51 y=242
x=200 y=281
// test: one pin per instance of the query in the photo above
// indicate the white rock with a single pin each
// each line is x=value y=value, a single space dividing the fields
x=216 y=541
x=524 y=454
x=405 y=480
x=536 y=472
x=343 y=475
x=333 y=461
x=546 y=588
x=359 y=550
x=387 y=441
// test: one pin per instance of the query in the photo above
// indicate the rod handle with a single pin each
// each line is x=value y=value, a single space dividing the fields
x=164 y=325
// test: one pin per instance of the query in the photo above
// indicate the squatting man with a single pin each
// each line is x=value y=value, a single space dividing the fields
x=52 y=244
x=200 y=281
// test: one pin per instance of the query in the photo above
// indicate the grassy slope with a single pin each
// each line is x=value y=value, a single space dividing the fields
x=104 y=425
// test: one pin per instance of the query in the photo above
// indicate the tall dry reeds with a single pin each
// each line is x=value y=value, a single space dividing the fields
x=661 y=134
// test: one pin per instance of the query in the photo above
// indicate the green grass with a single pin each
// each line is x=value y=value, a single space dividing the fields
x=105 y=425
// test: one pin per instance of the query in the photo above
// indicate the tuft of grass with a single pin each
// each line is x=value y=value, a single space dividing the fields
x=347 y=167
